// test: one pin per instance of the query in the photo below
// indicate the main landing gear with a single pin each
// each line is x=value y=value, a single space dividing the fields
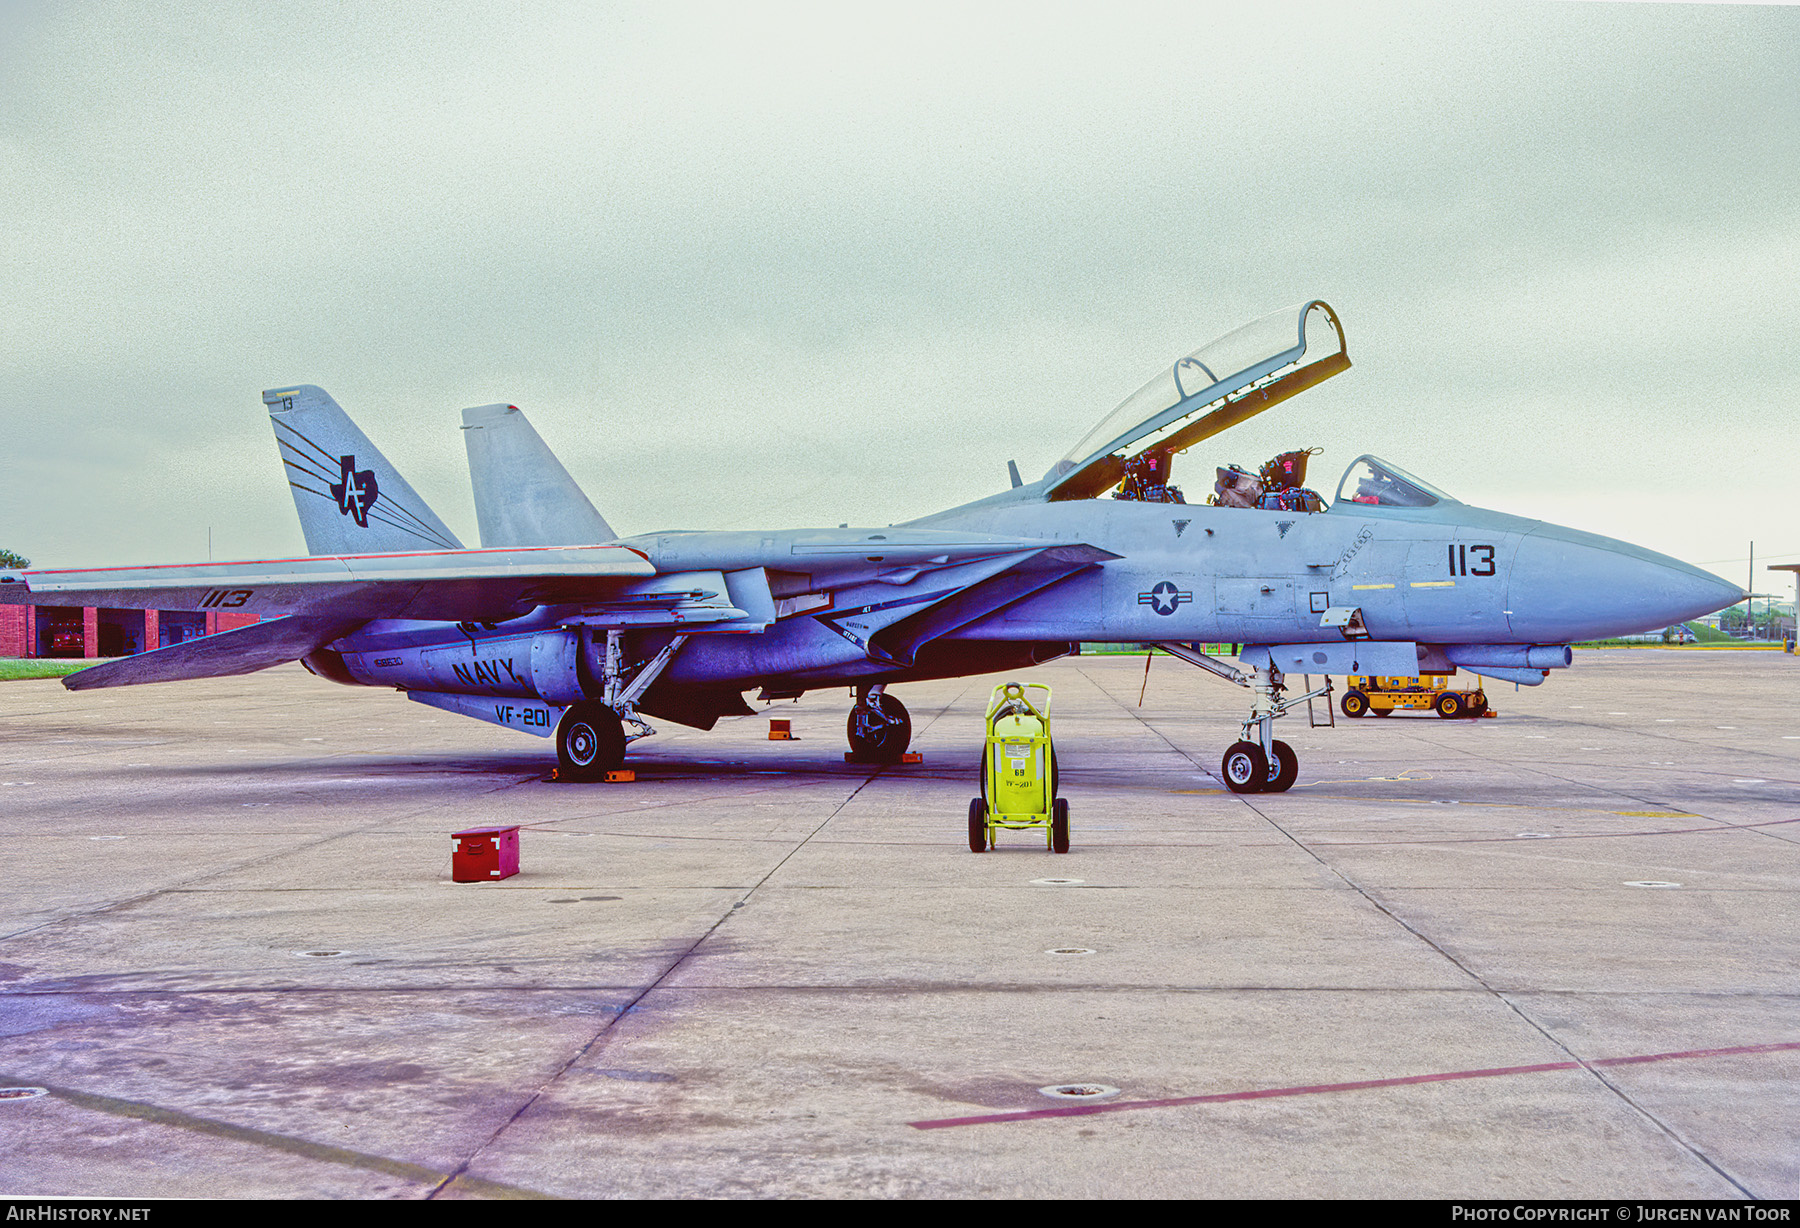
x=1258 y=762
x=590 y=741
x=591 y=737
x=879 y=727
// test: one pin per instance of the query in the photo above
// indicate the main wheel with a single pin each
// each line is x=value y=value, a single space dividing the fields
x=1245 y=768
x=1059 y=825
x=1449 y=705
x=1284 y=767
x=879 y=729
x=590 y=741
x=1354 y=703
x=978 y=834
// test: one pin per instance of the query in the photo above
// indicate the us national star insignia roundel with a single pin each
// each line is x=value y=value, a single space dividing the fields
x=1165 y=598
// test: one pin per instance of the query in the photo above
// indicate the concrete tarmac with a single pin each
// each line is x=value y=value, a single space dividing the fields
x=1551 y=954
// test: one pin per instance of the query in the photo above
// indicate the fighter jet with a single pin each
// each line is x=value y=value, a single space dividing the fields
x=558 y=627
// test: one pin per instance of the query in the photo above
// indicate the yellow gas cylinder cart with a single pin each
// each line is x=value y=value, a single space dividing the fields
x=1430 y=692
x=1018 y=770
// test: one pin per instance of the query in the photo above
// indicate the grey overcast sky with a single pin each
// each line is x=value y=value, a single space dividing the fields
x=753 y=265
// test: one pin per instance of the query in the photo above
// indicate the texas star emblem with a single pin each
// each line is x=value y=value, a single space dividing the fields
x=1165 y=598
x=357 y=492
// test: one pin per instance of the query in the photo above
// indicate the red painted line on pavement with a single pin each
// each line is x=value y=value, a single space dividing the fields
x=1270 y=1093
x=1591 y=835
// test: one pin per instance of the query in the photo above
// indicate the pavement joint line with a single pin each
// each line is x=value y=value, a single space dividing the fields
x=1249 y=801
x=1518 y=1011
x=596 y=1041
x=323 y=1152
x=1137 y=714
x=815 y=781
x=191 y=884
x=888 y=988
x=1315 y=1089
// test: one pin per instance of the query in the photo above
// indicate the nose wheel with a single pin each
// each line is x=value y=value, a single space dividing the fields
x=1247 y=768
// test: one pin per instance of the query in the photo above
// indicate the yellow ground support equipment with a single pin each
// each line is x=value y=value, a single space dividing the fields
x=1383 y=696
x=1018 y=771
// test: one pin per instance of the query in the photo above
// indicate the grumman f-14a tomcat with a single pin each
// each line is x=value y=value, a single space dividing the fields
x=558 y=627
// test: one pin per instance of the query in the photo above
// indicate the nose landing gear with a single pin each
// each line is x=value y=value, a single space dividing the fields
x=1258 y=762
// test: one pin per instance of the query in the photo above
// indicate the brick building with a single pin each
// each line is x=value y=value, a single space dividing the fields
x=66 y=631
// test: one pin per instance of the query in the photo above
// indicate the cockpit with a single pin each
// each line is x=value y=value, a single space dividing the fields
x=1129 y=455
x=1376 y=483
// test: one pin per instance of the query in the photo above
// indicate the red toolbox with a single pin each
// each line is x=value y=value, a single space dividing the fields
x=484 y=854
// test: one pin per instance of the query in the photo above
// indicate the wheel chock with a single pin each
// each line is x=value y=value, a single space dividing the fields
x=619 y=777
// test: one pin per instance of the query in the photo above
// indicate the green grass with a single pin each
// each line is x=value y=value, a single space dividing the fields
x=18 y=669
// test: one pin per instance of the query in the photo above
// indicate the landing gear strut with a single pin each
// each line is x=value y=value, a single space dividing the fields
x=1258 y=762
x=591 y=737
x=879 y=727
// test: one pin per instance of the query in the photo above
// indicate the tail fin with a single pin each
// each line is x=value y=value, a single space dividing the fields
x=350 y=499
x=523 y=495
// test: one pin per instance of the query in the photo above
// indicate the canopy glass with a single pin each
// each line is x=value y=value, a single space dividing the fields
x=1189 y=401
x=1376 y=483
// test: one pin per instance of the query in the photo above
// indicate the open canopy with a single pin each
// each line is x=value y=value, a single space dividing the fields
x=1217 y=386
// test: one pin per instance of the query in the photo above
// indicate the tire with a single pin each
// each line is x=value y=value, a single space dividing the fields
x=978 y=835
x=1244 y=769
x=1479 y=704
x=1449 y=705
x=1283 y=769
x=1381 y=711
x=879 y=729
x=590 y=742
x=1055 y=780
x=1059 y=826
x=1354 y=703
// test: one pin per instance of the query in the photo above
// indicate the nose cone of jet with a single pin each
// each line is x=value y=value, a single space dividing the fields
x=1568 y=585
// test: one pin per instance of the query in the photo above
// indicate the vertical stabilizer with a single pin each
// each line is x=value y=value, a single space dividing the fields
x=350 y=499
x=523 y=495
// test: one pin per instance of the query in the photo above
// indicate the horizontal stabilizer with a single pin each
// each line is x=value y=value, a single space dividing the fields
x=242 y=650
x=523 y=495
